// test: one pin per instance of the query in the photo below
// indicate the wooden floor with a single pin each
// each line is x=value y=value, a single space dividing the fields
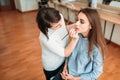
x=20 y=52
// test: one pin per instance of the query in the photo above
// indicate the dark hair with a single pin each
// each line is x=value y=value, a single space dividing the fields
x=95 y=36
x=46 y=16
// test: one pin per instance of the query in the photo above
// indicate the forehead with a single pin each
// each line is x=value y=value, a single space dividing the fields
x=81 y=15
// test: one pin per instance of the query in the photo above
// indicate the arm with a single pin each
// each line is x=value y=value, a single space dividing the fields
x=70 y=47
x=97 y=67
x=56 y=48
x=51 y=45
x=73 y=38
x=70 y=77
x=65 y=74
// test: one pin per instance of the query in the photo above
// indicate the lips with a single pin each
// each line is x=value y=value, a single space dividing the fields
x=76 y=29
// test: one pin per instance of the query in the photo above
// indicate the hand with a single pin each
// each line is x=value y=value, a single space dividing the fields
x=64 y=73
x=73 y=33
x=70 y=77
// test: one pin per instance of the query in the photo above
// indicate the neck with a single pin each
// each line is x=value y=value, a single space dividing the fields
x=85 y=35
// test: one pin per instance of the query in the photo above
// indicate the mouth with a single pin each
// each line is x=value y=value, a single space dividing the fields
x=76 y=29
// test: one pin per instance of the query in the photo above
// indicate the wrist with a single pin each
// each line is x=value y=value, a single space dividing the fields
x=75 y=39
x=76 y=78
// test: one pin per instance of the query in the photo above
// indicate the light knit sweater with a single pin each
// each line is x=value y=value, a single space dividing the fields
x=53 y=48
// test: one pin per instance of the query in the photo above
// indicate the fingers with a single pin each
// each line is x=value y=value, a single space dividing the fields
x=73 y=33
x=63 y=75
x=66 y=72
x=69 y=77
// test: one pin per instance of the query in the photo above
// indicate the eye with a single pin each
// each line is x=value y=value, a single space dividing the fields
x=82 y=21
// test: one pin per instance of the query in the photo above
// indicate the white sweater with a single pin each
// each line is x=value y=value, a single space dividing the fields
x=53 y=48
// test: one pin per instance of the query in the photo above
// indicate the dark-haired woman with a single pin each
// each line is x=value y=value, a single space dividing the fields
x=55 y=46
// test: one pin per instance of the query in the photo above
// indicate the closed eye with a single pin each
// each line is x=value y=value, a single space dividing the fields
x=82 y=21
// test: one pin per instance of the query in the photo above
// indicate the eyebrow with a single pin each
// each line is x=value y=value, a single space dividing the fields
x=82 y=19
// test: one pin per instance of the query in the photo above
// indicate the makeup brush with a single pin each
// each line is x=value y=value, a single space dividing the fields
x=64 y=36
x=67 y=34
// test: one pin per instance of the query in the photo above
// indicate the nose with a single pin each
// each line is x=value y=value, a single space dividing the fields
x=60 y=25
x=77 y=24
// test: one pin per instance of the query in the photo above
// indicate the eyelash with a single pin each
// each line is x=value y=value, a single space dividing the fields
x=82 y=22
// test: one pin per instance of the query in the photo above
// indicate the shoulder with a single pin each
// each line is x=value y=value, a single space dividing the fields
x=43 y=38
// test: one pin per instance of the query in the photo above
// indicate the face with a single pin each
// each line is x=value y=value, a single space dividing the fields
x=56 y=25
x=82 y=25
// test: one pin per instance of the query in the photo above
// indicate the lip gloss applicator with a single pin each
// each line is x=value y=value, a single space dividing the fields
x=64 y=36
x=67 y=34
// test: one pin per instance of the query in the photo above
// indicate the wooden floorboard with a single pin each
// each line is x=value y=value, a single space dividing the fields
x=20 y=51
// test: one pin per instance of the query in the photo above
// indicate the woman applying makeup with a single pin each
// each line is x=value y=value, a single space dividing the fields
x=55 y=46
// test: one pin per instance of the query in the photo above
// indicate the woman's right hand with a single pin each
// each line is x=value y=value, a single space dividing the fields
x=73 y=33
x=64 y=72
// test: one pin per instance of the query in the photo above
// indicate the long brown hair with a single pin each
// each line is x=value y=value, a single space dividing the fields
x=95 y=36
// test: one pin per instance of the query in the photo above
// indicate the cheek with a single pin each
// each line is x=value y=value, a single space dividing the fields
x=83 y=28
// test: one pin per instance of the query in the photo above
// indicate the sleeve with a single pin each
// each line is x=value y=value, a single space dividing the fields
x=66 y=59
x=52 y=46
x=97 y=67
